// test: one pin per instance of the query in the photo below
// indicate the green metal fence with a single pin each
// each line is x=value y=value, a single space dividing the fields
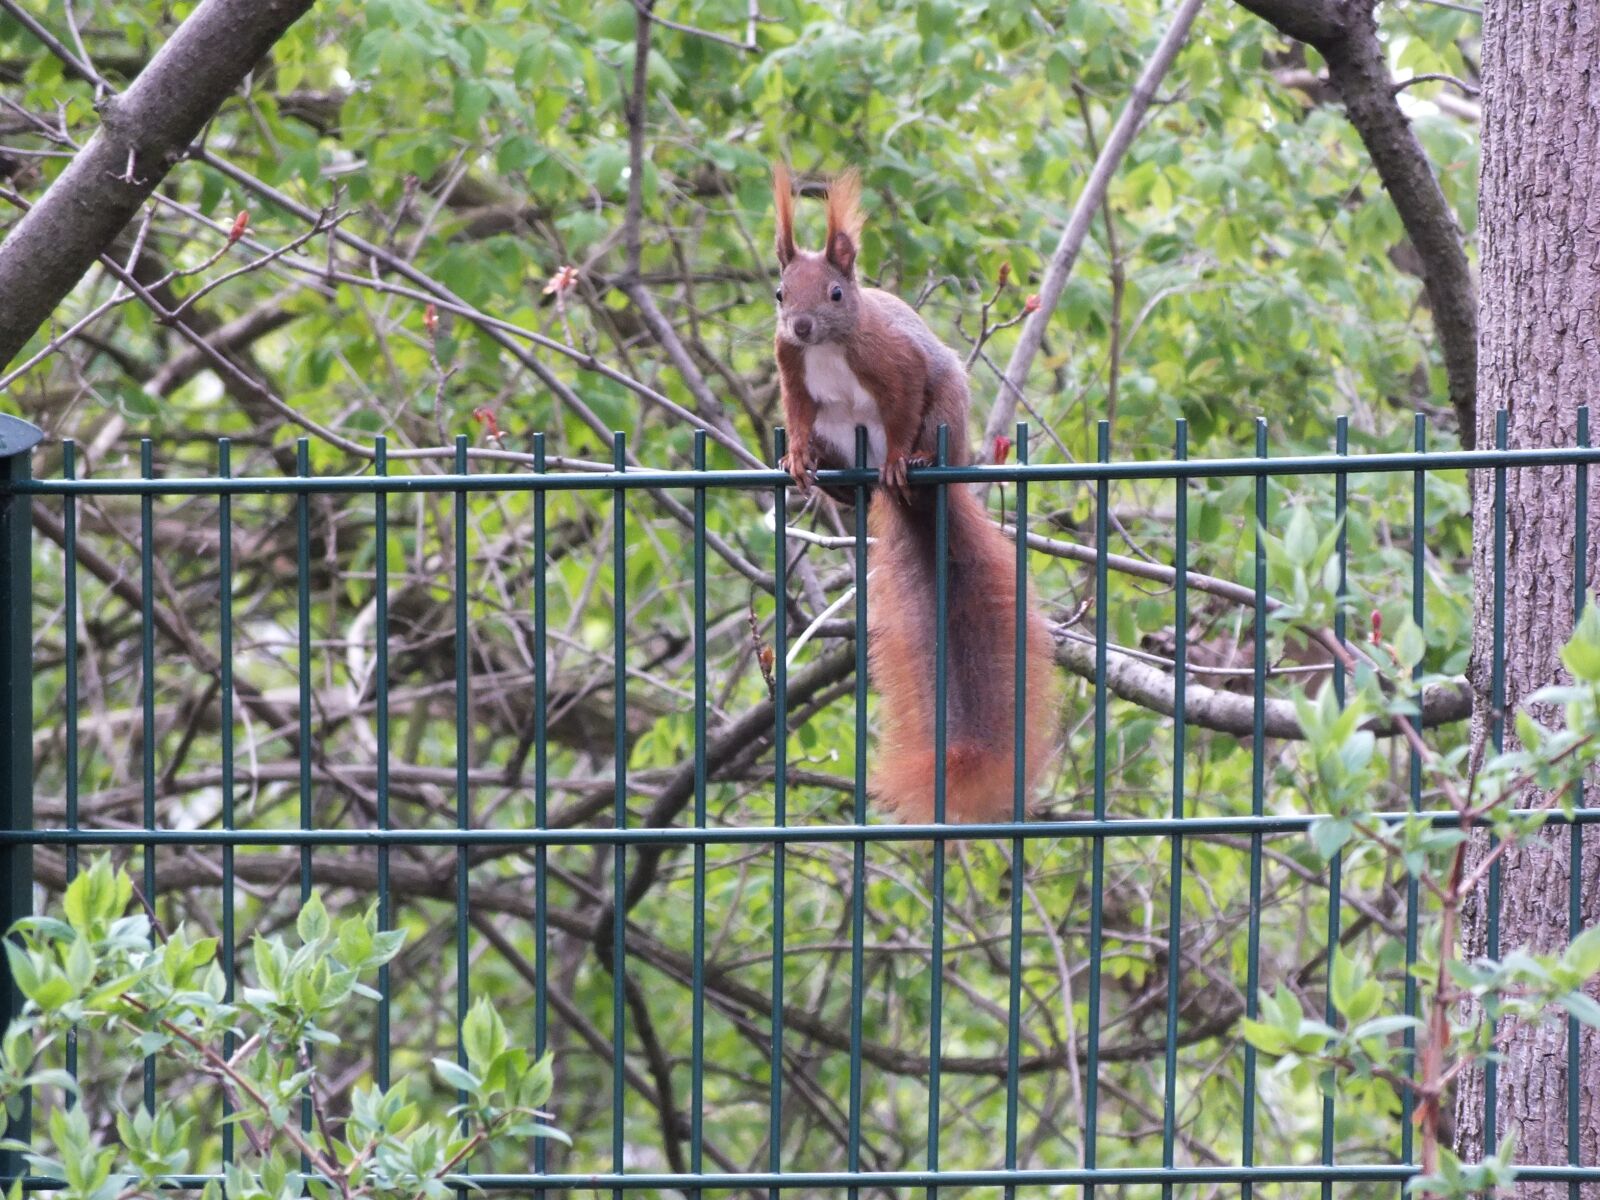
x=1155 y=1160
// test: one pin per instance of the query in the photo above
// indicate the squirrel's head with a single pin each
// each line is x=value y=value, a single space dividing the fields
x=818 y=297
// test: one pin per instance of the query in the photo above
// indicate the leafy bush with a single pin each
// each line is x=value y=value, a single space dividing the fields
x=1467 y=1006
x=100 y=967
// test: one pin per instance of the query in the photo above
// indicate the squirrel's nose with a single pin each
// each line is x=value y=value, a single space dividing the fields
x=802 y=327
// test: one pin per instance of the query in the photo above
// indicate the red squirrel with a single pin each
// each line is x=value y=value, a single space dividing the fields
x=850 y=355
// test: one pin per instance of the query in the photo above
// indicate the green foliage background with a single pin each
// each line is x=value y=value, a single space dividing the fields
x=1248 y=266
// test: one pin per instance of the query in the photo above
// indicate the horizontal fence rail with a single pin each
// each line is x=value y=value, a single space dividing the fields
x=744 y=835
x=749 y=479
x=705 y=915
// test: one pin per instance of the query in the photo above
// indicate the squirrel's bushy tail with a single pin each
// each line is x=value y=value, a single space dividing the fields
x=981 y=640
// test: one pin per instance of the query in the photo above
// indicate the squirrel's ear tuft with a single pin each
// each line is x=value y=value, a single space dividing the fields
x=844 y=220
x=783 y=203
x=842 y=252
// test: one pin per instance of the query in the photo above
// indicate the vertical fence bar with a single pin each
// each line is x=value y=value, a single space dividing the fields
x=1341 y=504
x=1497 y=731
x=147 y=677
x=941 y=681
x=17 y=439
x=1180 y=658
x=858 y=864
x=225 y=723
x=302 y=564
x=619 y=857
x=69 y=642
x=1580 y=583
x=1419 y=501
x=302 y=567
x=1341 y=514
x=1258 y=789
x=380 y=531
x=463 y=667
x=1097 y=869
x=1019 y=805
x=541 y=798
x=697 y=1054
x=780 y=805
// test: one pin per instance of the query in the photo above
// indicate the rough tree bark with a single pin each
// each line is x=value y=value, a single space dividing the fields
x=1345 y=33
x=143 y=132
x=1539 y=360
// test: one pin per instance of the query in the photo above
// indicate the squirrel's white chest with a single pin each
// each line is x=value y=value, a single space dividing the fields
x=842 y=404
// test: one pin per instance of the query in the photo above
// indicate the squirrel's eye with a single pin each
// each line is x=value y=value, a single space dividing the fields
x=778 y=295
x=837 y=294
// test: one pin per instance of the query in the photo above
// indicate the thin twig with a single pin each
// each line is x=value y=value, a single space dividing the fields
x=748 y=45
x=1465 y=88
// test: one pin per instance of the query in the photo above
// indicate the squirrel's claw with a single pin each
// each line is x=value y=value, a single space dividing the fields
x=802 y=468
x=892 y=477
x=893 y=474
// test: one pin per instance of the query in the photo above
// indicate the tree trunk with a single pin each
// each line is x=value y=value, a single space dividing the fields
x=1539 y=360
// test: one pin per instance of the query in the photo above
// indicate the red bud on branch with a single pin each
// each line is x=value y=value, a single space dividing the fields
x=562 y=281
x=486 y=418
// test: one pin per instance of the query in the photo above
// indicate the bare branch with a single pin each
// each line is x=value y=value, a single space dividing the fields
x=1004 y=411
x=142 y=134
x=635 y=103
x=748 y=45
x=1229 y=712
x=1462 y=85
x=1346 y=35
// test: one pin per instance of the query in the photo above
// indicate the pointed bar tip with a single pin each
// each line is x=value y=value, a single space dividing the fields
x=18 y=436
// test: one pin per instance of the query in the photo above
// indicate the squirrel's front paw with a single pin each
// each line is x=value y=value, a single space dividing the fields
x=892 y=475
x=801 y=464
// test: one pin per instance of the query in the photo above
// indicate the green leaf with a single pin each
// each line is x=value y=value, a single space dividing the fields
x=471 y=102
x=1409 y=644
x=77 y=901
x=1329 y=835
x=1300 y=539
x=456 y=1075
x=1582 y=658
x=1384 y=1026
x=23 y=971
x=80 y=964
x=1583 y=1007
x=312 y=924
x=1581 y=654
x=1343 y=981
x=604 y=166
x=1364 y=1002
x=483 y=1034
x=538 y=1083
x=1583 y=955
x=385 y=946
x=56 y=1079
x=1269 y=1039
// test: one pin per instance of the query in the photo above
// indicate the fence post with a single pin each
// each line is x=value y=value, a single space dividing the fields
x=17 y=440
